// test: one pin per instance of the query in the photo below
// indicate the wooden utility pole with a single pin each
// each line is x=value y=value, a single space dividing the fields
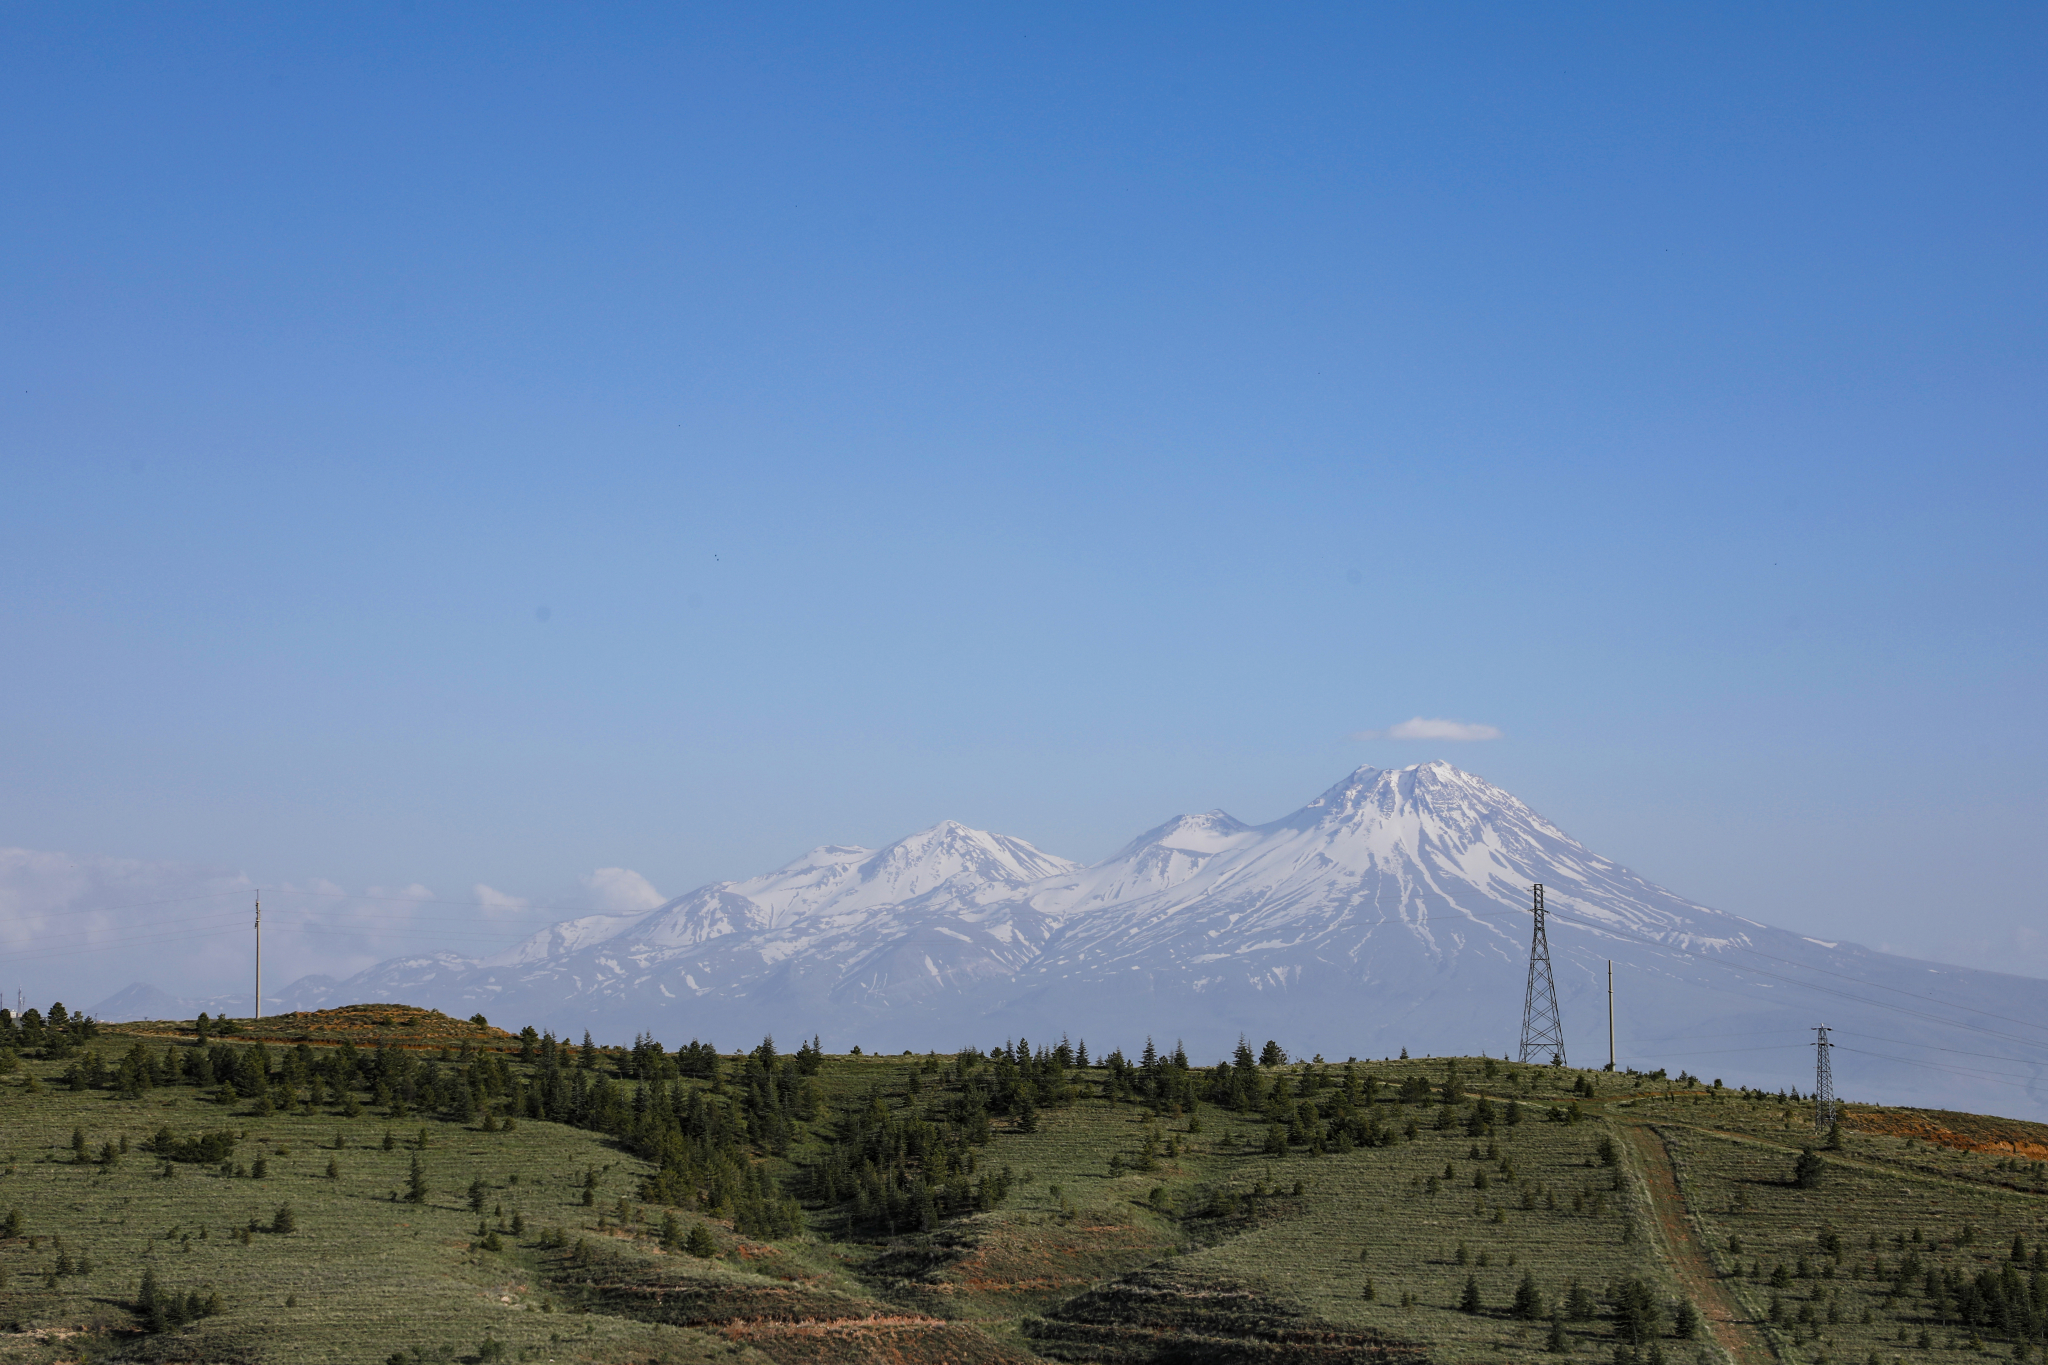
x=1610 y=1014
x=259 y=956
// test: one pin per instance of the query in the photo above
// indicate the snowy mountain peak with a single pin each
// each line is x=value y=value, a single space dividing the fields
x=1390 y=911
x=1437 y=800
x=930 y=858
x=1210 y=832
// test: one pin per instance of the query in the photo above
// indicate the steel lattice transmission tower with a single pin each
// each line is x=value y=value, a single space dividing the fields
x=1823 y=1081
x=1542 y=1029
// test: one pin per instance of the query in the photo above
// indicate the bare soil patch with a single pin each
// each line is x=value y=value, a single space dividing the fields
x=1732 y=1327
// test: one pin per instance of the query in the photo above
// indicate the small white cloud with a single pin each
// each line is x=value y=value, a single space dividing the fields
x=621 y=890
x=1420 y=727
x=495 y=901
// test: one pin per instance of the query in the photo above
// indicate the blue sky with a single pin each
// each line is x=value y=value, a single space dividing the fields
x=456 y=444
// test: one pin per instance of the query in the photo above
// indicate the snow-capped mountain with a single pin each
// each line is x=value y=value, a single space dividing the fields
x=1392 y=911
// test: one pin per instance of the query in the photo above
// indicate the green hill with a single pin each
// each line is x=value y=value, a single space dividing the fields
x=385 y=1183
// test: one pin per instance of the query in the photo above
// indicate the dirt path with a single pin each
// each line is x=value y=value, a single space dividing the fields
x=1731 y=1325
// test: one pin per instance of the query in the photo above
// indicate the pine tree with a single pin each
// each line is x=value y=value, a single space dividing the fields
x=416 y=1182
x=476 y=1195
x=1556 y=1343
x=1685 y=1320
x=333 y=1169
x=284 y=1220
x=1468 y=1302
x=1637 y=1313
x=671 y=1231
x=149 y=1302
x=700 y=1243
x=1528 y=1299
x=1806 y=1171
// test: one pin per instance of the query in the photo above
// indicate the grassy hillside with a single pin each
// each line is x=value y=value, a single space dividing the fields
x=383 y=1183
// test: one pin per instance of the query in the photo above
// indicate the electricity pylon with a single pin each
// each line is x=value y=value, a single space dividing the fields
x=1823 y=1081
x=1542 y=1029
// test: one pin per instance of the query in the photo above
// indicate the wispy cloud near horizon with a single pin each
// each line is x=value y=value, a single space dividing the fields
x=79 y=928
x=1420 y=727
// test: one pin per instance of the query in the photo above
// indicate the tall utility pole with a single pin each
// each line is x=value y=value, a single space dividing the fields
x=1610 y=1014
x=1542 y=1030
x=1823 y=1081
x=259 y=955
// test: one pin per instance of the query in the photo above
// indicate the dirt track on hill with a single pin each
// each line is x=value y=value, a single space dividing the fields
x=1731 y=1325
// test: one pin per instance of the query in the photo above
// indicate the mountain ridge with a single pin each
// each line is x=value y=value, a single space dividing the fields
x=1390 y=911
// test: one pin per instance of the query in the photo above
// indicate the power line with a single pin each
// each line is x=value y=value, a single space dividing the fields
x=2024 y=1082
x=1936 y=1047
x=1828 y=971
x=1776 y=976
x=1734 y=946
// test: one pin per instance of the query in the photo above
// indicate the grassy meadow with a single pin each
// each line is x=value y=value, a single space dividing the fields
x=387 y=1185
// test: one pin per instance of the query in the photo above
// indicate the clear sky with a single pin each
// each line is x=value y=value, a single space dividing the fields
x=456 y=444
